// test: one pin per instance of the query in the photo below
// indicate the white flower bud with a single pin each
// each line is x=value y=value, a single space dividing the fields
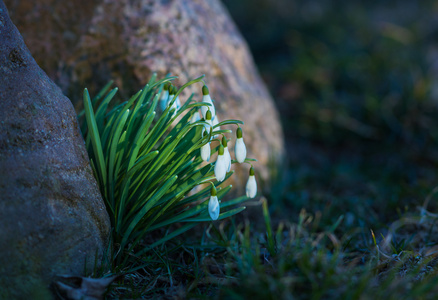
x=213 y=205
x=163 y=100
x=240 y=150
x=220 y=167
x=251 y=185
x=226 y=153
x=227 y=158
x=206 y=152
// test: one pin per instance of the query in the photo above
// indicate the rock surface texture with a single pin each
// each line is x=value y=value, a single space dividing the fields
x=89 y=42
x=52 y=216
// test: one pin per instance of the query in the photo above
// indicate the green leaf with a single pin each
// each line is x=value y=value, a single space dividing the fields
x=112 y=176
x=138 y=139
x=101 y=110
x=229 y=122
x=101 y=93
x=95 y=138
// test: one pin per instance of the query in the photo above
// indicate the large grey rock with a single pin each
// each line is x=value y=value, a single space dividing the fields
x=92 y=41
x=52 y=216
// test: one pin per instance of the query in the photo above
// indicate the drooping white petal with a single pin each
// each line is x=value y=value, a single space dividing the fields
x=227 y=158
x=251 y=187
x=195 y=117
x=178 y=103
x=207 y=99
x=174 y=105
x=163 y=100
x=209 y=122
x=220 y=168
x=240 y=150
x=214 y=122
x=206 y=152
x=213 y=207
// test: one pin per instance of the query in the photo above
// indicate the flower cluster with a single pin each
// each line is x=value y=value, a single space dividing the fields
x=223 y=163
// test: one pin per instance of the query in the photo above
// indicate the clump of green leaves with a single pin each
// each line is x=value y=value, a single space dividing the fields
x=148 y=165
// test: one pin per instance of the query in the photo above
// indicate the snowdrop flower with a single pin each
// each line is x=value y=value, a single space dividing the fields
x=220 y=167
x=207 y=99
x=226 y=153
x=251 y=185
x=213 y=205
x=164 y=97
x=206 y=151
x=240 y=148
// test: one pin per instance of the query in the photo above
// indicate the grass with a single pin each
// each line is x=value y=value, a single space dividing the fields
x=352 y=215
x=304 y=260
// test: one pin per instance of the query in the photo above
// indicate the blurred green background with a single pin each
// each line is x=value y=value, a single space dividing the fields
x=355 y=84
